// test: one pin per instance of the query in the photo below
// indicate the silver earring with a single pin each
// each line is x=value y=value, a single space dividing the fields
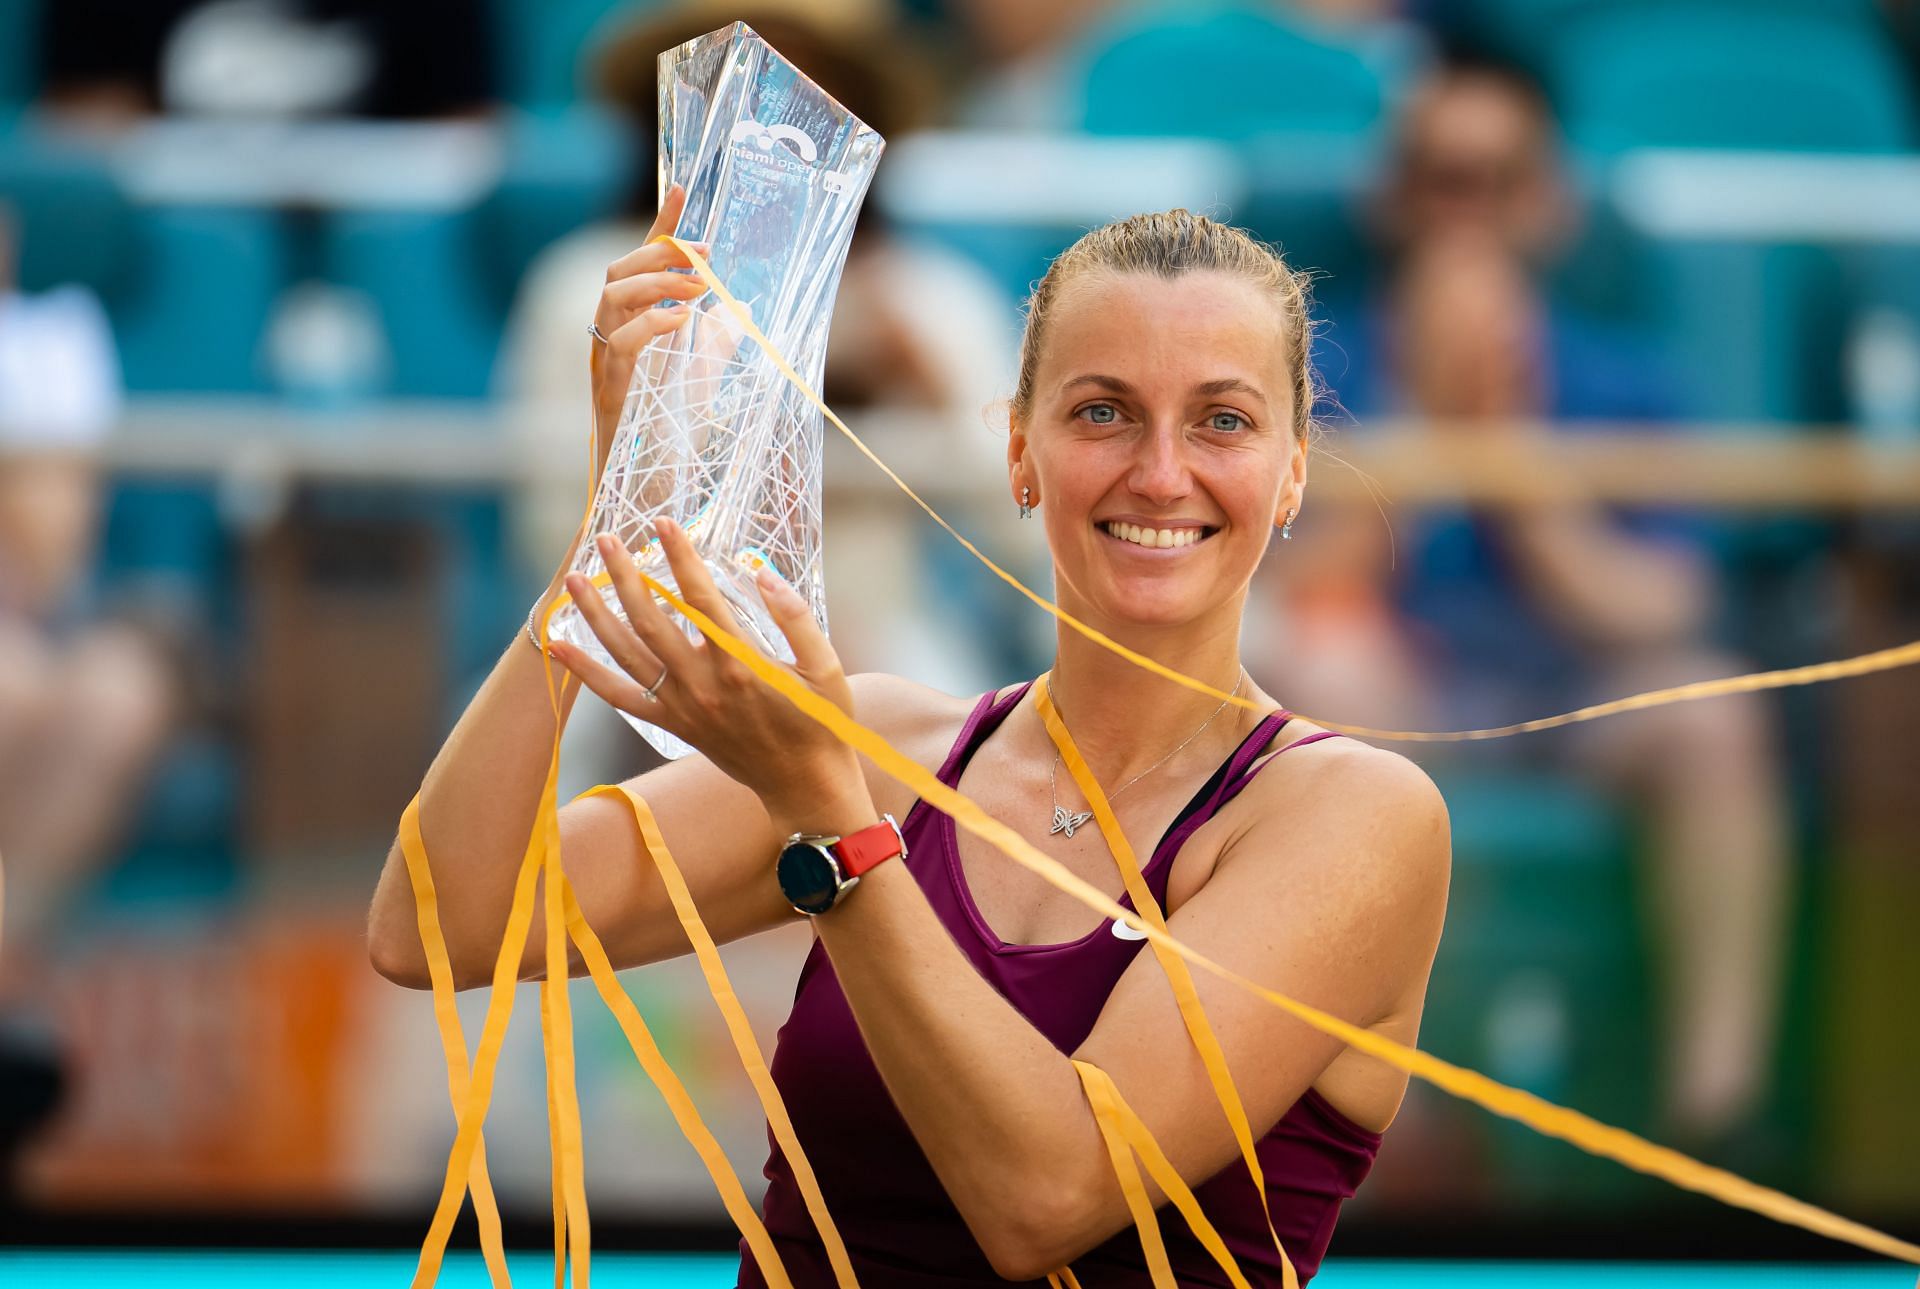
x=1026 y=511
x=1286 y=529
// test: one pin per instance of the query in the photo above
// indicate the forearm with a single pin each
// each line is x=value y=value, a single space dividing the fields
x=996 y=1107
x=1606 y=586
x=477 y=806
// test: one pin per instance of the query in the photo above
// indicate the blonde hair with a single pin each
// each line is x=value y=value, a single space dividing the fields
x=1167 y=244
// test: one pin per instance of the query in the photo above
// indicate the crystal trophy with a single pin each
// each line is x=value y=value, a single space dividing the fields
x=712 y=434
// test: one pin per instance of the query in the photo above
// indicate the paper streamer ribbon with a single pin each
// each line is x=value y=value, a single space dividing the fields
x=453 y=1040
x=572 y=1235
x=478 y=1092
x=486 y=1058
x=1126 y=1136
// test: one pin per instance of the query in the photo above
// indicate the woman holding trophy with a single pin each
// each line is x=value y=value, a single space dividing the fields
x=1160 y=432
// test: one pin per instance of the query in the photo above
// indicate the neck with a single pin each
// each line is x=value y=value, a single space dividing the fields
x=1123 y=717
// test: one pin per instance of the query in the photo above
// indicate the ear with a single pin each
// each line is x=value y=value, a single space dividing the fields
x=1293 y=488
x=1018 y=474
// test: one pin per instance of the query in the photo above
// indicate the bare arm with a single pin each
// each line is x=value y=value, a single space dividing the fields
x=722 y=838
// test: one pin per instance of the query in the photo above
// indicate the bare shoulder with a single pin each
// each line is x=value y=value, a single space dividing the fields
x=1361 y=810
x=906 y=712
x=919 y=720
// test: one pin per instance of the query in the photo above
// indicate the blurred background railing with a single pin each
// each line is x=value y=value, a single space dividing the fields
x=1620 y=334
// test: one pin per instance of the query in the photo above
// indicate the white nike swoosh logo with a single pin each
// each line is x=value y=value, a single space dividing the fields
x=1121 y=931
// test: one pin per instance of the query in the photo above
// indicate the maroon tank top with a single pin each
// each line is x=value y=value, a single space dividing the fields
x=900 y=1228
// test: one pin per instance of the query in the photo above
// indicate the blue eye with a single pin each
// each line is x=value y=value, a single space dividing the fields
x=1234 y=420
x=1109 y=414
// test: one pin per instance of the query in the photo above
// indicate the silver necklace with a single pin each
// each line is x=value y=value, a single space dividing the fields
x=1066 y=822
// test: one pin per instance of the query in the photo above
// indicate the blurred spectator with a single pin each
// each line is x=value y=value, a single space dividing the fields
x=1482 y=615
x=84 y=703
x=110 y=63
x=915 y=329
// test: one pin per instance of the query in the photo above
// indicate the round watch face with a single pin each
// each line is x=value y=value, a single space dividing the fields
x=807 y=877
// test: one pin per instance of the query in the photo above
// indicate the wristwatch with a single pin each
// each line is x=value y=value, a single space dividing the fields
x=815 y=873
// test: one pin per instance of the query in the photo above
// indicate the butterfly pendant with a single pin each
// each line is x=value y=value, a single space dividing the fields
x=1066 y=823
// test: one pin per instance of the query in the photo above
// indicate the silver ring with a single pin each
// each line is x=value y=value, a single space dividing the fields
x=593 y=329
x=653 y=691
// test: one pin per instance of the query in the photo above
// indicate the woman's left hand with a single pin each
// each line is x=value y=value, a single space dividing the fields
x=708 y=697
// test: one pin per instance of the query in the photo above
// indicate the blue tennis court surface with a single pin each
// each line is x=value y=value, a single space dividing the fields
x=166 y=1269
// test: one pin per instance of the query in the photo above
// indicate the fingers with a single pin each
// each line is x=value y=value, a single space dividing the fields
x=627 y=315
x=636 y=293
x=690 y=571
x=671 y=207
x=626 y=297
x=653 y=257
x=813 y=657
x=664 y=638
x=622 y=353
x=640 y=278
x=618 y=688
x=627 y=645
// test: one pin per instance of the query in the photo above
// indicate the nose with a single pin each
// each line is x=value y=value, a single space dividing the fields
x=1161 y=473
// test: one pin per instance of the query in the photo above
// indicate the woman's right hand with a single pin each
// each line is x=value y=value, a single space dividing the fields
x=636 y=282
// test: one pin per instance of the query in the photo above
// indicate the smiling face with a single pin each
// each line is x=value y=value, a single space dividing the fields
x=1160 y=442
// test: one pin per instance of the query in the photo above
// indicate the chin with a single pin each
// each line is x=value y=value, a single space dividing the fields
x=1155 y=602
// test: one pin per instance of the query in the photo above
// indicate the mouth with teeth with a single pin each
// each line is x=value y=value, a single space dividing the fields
x=1157 y=538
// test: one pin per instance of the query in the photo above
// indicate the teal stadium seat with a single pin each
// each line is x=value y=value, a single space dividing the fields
x=188 y=288
x=442 y=281
x=539 y=45
x=1718 y=75
x=1878 y=277
x=183 y=844
x=196 y=306
x=1306 y=106
x=564 y=170
x=164 y=542
x=1744 y=322
x=1744 y=318
x=75 y=226
x=1524 y=31
x=422 y=270
x=1233 y=72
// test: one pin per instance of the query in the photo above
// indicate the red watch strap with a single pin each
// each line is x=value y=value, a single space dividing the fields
x=860 y=851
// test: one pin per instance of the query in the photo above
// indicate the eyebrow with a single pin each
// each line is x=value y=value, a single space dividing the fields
x=1229 y=385
x=1224 y=385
